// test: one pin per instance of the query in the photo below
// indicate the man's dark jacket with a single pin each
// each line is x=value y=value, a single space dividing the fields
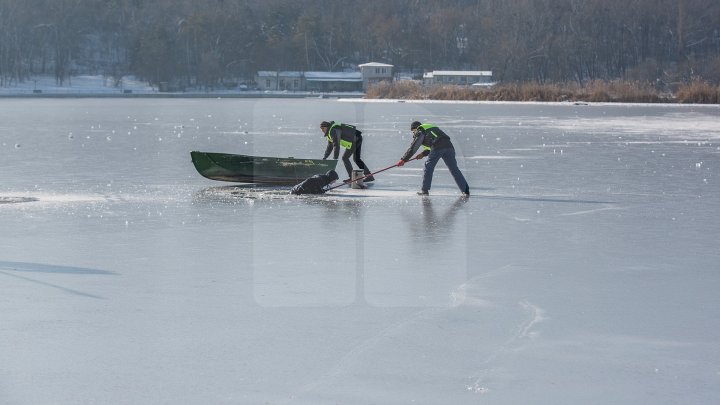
x=315 y=184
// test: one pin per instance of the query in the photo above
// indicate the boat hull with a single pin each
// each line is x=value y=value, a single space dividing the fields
x=258 y=169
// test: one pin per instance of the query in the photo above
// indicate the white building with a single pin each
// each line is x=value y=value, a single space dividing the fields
x=375 y=72
x=458 y=77
x=369 y=74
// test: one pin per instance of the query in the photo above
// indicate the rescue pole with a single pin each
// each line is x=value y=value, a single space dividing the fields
x=366 y=176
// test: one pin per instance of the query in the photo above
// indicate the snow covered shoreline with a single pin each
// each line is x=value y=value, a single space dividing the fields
x=98 y=86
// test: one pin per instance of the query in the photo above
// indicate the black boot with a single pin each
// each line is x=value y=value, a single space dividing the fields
x=368 y=178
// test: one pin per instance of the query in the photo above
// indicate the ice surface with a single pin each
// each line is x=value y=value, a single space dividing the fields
x=582 y=269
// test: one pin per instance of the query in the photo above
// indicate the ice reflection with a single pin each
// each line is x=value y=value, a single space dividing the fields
x=436 y=223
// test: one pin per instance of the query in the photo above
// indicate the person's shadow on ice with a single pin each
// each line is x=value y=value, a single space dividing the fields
x=436 y=224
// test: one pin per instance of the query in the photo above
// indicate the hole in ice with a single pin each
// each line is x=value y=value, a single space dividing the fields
x=16 y=200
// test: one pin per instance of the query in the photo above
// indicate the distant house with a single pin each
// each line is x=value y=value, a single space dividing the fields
x=309 y=81
x=369 y=73
x=333 y=81
x=271 y=80
x=458 y=77
x=375 y=72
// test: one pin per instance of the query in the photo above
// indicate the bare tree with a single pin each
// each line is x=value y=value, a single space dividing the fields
x=205 y=42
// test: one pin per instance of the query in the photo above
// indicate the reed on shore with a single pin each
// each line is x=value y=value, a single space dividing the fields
x=594 y=91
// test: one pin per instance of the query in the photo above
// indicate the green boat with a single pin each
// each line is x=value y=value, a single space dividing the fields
x=258 y=169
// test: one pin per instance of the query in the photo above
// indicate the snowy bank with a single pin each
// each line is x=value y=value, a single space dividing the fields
x=130 y=86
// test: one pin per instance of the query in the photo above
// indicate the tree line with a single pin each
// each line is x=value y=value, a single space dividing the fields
x=221 y=42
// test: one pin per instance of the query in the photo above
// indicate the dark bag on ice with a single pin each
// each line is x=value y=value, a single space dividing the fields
x=315 y=184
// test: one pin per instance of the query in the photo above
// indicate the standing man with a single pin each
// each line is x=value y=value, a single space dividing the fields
x=437 y=145
x=347 y=136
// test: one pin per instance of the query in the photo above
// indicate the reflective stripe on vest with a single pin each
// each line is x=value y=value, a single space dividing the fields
x=425 y=128
x=347 y=134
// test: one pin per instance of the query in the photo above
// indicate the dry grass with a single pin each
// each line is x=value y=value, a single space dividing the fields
x=406 y=90
x=595 y=91
x=699 y=93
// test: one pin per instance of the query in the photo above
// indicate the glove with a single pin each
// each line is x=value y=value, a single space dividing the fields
x=400 y=163
x=420 y=155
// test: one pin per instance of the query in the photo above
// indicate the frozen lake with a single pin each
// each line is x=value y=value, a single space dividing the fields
x=583 y=269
